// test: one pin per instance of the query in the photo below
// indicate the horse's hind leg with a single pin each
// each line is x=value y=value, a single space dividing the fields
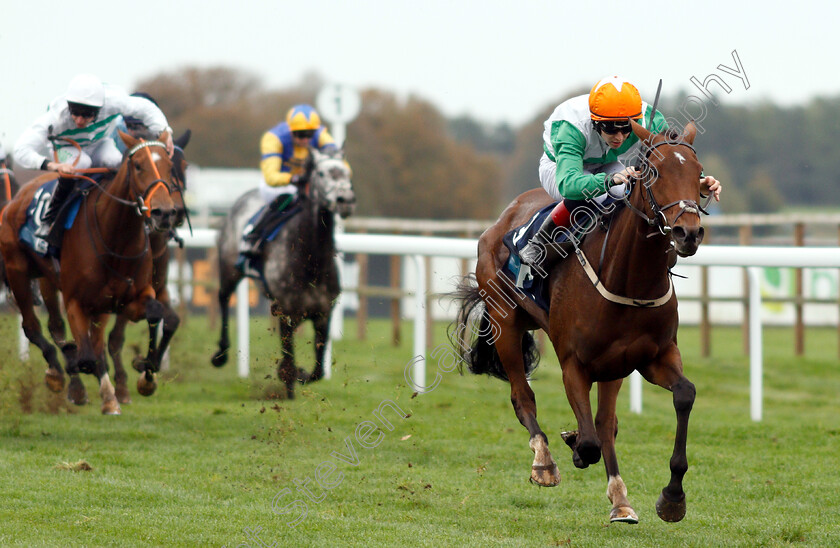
x=55 y=321
x=116 y=340
x=584 y=442
x=55 y=325
x=321 y=323
x=509 y=347
x=227 y=286
x=606 y=424
x=171 y=321
x=153 y=312
x=21 y=288
x=110 y=405
x=667 y=373
x=286 y=369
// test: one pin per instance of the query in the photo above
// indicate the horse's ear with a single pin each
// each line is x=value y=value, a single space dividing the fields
x=182 y=141
x=689 y=133
x=639 y=131
x=127 y=139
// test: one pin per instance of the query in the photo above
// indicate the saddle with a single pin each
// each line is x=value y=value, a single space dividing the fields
x=533 y=281
x=38 y=207
x=265 y=225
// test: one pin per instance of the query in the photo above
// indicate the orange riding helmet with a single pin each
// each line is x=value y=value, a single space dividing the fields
x=614 y=98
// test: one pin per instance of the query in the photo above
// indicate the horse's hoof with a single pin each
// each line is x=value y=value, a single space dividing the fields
x=570 y=438
x=111 y=407
x=219 y=358
x=76 y=400
x=545 y=475
x=140 y=364
x=146 y=387
x=77 y=393
x=668 y=510
x=313 y=378
x=623 y=514
x=123 y=396
x=54 y=380
x=303 y=375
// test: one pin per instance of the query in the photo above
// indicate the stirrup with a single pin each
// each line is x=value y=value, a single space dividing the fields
x=530 y=253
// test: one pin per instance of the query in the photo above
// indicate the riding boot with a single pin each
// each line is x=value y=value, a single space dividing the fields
x=254 y=236
x=539 y=252
x=62 y=191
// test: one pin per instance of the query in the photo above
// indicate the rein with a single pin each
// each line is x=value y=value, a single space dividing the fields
x=7 y=182
x=658 y=220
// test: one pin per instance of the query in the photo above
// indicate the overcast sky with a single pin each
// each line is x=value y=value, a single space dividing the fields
x=494 y=60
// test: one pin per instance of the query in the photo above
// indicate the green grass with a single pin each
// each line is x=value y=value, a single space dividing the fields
x=203 y=459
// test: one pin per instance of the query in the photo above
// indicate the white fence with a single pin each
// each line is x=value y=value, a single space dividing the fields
x=418 y=247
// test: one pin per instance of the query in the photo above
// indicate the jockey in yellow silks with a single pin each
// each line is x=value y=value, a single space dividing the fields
x=284 y=163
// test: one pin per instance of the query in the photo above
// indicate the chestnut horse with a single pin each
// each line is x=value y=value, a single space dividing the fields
x=159 y=247
x=603 y=325
x=105 y=263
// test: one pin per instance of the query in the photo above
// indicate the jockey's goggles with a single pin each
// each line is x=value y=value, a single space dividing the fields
x=304 y=134
x=611 y=128
x=83 y=111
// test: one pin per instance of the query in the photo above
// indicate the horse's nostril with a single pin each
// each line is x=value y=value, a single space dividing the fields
x=678 y=232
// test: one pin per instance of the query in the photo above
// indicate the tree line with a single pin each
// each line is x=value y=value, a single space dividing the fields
x=409 y=160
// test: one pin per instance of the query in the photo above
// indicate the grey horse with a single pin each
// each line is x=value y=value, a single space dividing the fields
x=300 y=272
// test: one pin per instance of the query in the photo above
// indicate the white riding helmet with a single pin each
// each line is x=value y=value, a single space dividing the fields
x=86 y=89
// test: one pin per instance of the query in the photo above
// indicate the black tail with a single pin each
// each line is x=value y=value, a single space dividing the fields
x=476 y=346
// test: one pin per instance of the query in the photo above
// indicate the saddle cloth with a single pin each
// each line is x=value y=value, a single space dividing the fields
x=253 y=267
x=38 y=207
x=533 y=281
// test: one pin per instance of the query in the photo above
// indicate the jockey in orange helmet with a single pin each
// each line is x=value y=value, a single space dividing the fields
x=588 y=147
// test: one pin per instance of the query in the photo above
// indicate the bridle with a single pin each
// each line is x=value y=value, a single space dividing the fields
x=658 y=220
x=321 y=192
x=144 y=198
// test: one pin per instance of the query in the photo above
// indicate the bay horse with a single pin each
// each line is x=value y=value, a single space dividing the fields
x=603 y=325
x=300 y=275
x=159 y=248
x=105 y=264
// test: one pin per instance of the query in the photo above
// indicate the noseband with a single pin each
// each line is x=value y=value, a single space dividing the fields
x=658 y=219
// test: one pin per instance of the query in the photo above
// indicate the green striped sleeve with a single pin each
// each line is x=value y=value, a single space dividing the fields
x=569 y=144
